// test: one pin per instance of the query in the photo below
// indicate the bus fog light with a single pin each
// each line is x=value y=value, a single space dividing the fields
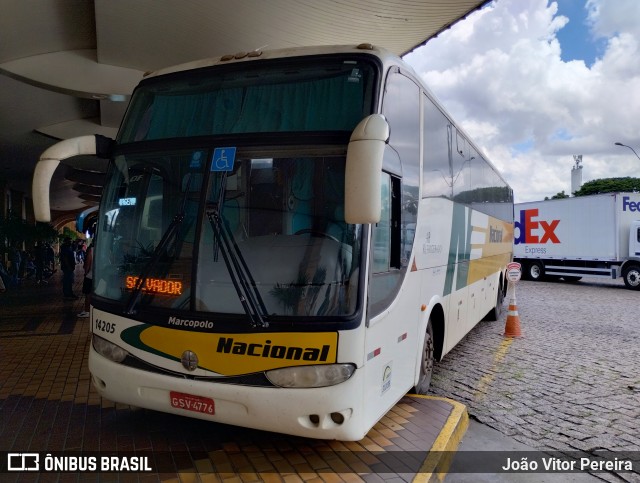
x=108 y=349
x=311 y=376
x=337 y=418
x=99 y=383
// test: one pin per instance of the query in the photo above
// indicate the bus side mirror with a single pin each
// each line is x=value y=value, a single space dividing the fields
x=362 y=203
x=49 y=161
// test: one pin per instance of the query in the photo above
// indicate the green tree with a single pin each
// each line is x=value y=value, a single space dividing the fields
x=14 y=229
x=557 y=196
x=68 y=232
x=609 y=185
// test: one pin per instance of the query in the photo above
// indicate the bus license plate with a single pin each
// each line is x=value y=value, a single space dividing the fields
x=190 y=402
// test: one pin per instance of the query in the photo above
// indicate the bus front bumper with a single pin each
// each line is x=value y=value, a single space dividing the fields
x=325 y=413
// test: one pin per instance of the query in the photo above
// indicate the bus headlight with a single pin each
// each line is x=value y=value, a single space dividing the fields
x=311 y=376
x=108 y=349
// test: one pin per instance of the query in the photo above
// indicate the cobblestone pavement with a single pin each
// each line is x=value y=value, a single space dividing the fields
x=571 y=383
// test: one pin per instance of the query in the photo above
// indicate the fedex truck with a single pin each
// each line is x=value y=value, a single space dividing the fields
x=584 y=236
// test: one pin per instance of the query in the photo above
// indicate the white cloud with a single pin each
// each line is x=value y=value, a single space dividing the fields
x=610 y=17
x=500 y=75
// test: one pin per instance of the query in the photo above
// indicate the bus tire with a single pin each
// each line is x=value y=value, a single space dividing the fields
x=426 y=362
x=496 y=312
x=631 y=276
x=535 y=271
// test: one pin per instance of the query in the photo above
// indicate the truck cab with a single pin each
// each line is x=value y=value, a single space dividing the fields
x=630 y=269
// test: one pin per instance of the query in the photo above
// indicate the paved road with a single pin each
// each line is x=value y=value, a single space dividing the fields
x=570 y=384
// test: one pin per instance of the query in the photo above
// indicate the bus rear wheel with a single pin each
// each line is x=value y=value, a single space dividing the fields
x=426 y=363
x=496 y=312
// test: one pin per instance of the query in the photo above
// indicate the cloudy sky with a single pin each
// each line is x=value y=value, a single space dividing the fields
x=535 y=82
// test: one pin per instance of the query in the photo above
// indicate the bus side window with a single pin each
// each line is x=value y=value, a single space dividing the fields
x=381 y=233
x=386 y=272
x=402 y=109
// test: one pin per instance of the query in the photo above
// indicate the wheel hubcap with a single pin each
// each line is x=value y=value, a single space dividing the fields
x=427 y=360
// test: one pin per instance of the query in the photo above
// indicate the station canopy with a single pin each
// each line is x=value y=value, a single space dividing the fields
x=69 y=66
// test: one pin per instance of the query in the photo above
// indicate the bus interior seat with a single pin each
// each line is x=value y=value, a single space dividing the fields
x=267 y=206
x=151 y=223
x=269 y=259
x=231 y=216
x=336 y=225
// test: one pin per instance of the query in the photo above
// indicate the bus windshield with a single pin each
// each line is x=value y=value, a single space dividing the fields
x=205 y=229
x=296 y=95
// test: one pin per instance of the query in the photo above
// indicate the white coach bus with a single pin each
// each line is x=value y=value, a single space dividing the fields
x=287 y=240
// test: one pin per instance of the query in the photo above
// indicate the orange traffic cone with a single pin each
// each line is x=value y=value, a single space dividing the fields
x=512 y=326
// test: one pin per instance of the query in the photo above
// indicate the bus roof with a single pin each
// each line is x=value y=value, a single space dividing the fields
x=384 y=55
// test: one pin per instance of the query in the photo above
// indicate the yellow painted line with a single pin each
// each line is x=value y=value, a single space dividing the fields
x=498 y=358
x=440 y=457
x=443 y=449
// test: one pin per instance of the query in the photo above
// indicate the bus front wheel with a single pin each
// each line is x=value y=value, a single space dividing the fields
x=426 y=363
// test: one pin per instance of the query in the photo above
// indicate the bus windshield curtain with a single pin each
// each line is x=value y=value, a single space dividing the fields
x=334 y=104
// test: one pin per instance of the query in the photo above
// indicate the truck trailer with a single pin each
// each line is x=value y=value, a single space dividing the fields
x=582 y=236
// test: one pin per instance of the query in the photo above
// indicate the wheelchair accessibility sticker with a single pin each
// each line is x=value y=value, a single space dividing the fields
x=223 y=159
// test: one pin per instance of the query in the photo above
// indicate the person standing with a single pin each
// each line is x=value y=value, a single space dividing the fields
x=68 y=266
x=14 y=259
x=49 y=260
x=40 y=255
x=87 y=283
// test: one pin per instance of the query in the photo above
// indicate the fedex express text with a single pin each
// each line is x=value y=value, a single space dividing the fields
x=531 y=230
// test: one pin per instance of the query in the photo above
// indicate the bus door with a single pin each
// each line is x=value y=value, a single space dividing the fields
x=394 y=293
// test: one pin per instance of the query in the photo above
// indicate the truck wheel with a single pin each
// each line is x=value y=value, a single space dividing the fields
x=631 y=276
x=535 y=271
x=571 y=279
x=426 y=364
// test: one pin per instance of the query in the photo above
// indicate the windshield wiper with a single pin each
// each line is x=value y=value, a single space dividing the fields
x=168 y=235
x=241 y=278
x=239 y=272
